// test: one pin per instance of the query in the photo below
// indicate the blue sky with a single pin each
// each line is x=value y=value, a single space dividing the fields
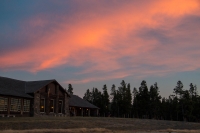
x=92 y=43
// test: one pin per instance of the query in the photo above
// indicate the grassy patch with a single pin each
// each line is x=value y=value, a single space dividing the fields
x=93 y=124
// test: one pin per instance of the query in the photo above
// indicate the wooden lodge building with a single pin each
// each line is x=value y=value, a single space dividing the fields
x=36 y=98
x=81 y=107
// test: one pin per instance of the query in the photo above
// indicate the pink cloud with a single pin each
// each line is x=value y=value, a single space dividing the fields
x=103 y=40
x=98 y=78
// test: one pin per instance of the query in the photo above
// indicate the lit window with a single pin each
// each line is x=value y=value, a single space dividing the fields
x=15 y=105
x=3 y=104
x=42 y=105
x=26 y=105
x=52 y=106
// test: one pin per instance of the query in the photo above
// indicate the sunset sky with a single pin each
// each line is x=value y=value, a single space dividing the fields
x=90 y=43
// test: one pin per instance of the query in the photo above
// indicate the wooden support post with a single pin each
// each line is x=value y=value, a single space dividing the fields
x=81 y=111
x=22 y=105
x=57 y=99
x=74 y=111
x=64 y=104
x=8 y=106
x=47 y=108
x=97 y=112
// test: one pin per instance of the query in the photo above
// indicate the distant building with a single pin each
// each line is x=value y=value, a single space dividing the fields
x=43 y=97
x=81 y=107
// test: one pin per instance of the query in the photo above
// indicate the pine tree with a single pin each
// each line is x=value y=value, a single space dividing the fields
x=114 y=107
x=135 y=103
x=191 y=90
x=128 y=100
x=105 y=99
x=88 y=96
x=143 y=100
x=70 y=89
x=178 y=90
x=122 y=99
x=96 y=97
x=154 y=101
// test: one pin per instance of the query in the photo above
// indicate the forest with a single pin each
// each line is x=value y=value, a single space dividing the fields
x=146 y=103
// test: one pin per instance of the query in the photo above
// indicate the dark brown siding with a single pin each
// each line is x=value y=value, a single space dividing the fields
x=54 y=92
x=36 y=103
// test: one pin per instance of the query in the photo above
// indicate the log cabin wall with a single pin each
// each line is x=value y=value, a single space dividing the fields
x=37 y=103
x=81 y=107
x=51 y=100
x=32 y=98
x=57 y=98
x=67 y=105
x=83 y=111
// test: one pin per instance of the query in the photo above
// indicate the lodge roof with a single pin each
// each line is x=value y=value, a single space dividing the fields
x=33 y=86
x=76 y=101
x=20 y=88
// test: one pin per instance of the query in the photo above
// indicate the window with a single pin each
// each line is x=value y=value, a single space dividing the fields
x=15 y=105
x=42 y=105
x=46 y=89
x=52 y=106
x=55 y=90
x=3 y=104
x=26 y=105
x=60 y=104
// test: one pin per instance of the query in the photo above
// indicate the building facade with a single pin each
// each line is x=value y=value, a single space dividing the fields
x=81 y=107
x=32 y=98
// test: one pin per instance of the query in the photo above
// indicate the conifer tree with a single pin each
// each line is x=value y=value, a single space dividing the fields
x=88 y=96
x=114 y=107
x=105 y=100
x=128 y=100
x=96 y=97
x=70 y=89
x=154 y=100
x=143 y=100
x=135 y=103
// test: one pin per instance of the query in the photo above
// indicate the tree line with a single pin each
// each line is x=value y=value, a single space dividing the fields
x=144 y=102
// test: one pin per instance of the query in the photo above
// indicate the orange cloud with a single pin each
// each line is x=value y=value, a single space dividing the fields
x=98 y=78
x=103 y=39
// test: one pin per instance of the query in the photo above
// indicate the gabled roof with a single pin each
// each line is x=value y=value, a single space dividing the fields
x=33 y=86
x=19 y=88
x=13 y=87
x=76 y=101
